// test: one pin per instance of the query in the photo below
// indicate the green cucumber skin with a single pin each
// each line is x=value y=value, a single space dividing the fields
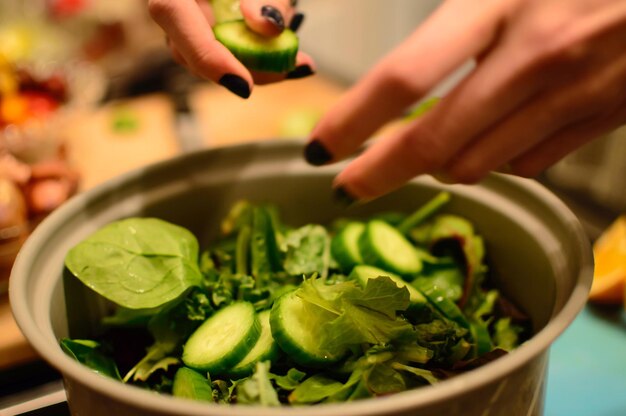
x=290 y=346
x=255 y=55
x=219 y=365
x=372 y=256
x=345 y=246
x=270 y=353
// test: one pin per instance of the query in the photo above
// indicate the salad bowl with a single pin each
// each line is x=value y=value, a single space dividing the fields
x=539 y=254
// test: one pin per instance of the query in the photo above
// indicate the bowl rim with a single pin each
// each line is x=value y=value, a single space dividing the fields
x=539 y=344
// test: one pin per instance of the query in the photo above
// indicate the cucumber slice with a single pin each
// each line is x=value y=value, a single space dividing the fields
x=345 y=245
x=384 y=246
x=189 y=384
x=297 y=328
x=437 y=298
x=224 y=339
x=362 y=273
x=264 y=349
x=256 y=52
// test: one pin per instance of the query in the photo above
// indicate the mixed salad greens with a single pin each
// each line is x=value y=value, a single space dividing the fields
x=275 y=315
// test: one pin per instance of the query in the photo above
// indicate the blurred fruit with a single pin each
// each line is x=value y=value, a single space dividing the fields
x=40 y=104
x=609 y=253
x=13 y=109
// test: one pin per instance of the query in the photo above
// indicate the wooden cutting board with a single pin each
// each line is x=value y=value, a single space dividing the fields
x=219 y=113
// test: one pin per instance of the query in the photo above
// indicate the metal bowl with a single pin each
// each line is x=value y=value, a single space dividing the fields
x=536 y=246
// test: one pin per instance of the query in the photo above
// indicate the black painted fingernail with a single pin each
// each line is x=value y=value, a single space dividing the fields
x=316 y=154
x=274 y=16
x=236 y=85
x=300 y=72
x=296 y=22
x=343 y=197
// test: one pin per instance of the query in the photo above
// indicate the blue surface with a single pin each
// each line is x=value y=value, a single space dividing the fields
x=587 y=367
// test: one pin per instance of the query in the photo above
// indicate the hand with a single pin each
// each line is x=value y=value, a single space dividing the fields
x=187 y=24
x=550 y=75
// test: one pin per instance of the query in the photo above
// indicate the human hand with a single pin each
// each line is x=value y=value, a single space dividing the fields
x=550 y=75
x=187 y=24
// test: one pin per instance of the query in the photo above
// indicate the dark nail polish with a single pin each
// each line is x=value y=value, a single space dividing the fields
x=300 y=72
x=343 y=197
x=316 y=154
x=236 y=85
x=274 y=16
x=296 y=22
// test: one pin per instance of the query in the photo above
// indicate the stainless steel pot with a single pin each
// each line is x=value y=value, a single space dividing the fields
x=536 y=247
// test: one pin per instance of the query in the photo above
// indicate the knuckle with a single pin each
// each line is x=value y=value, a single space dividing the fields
x=425 y=150
x=404 y=83
x=466 y=172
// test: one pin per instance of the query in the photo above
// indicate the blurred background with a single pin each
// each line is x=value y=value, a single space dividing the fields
x=89 y=91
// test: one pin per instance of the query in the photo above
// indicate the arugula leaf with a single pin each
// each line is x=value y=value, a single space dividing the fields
x=307 y=251
x=258 y=389
x=441 y=336
x=90 y=353
x=366 y=315
x=137 y=263
x=506 y=334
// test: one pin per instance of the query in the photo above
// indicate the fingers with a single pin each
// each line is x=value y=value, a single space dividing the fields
x=553 y=149
x=267 y=17
x=530 y=139
x=405 y=76
x=187 y=27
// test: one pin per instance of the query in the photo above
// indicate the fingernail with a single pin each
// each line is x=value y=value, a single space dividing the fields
x=236 y=85
x=343 y=196
x=296 y=22
x=316 y=154
x=300 y=72
x=274 y=16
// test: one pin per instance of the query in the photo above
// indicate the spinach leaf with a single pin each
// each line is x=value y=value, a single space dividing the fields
x=321 y=387
x=137 y=263
x=90 y=353
x=307 y=251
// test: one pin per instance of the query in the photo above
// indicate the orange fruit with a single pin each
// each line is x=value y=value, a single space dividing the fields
x=609 y=275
